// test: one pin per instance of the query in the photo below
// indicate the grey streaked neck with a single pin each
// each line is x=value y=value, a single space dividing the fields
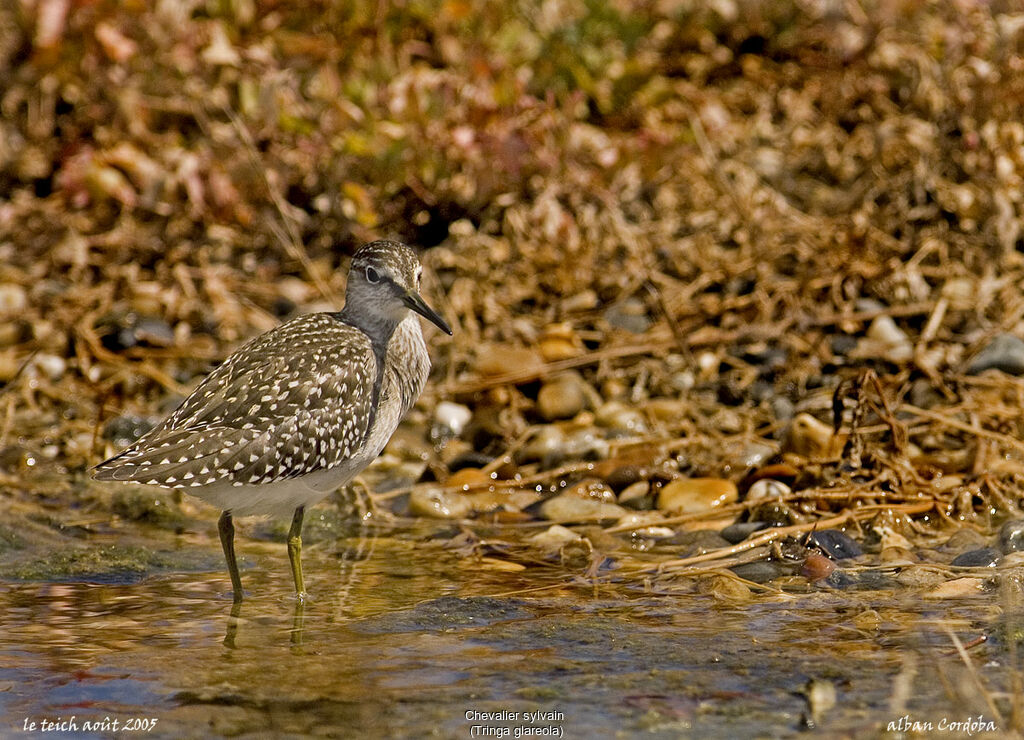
x=378 y=328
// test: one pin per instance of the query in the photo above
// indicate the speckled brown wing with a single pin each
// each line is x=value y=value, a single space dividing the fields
x=293 y=401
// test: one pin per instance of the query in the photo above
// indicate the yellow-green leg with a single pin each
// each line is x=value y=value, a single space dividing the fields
x=295 y=552
x=226 y=527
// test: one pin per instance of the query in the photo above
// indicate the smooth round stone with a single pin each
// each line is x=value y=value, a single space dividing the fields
x=809 y=437
x=547 y=446
x=816 y=567
x=724 y=588
x=736 y=533
x=696 y=495
x=760 y=572
x=561 y=397
x=958 y=588
x=630 y=314
x=439 y=504
x=13 y=299
x=467 y=477
x=51 y=366
x=894 y=555
x=893 y=343
x=554 y=537
x=964 y=539
x=766 y=488
x=559 y=342
x=986 y=557
x=636 y=495
x=570 y=508
x=500 y=359
x=1011 y=536
x=755 y=453
x=619 y=417
x=586 y=444
x=1005 y=352
x=452 y=416
x=835 y=544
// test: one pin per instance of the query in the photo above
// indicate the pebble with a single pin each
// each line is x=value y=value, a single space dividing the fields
x=890 y=556
x=619 y=417
x=1005 y=352
x=562 y=397
x=554 y=537
x=559 y=342
x=985 y=557
x=630 y=314
x=696 y=495
x=132 y=330
x=585 y=300
x=766 y=488
x=919 y=576
x=13 y=299
x=761 y=571
x=696 y=541
x=837 y=545
x=1012 y=560
x=884 y=340
x=723 y=588
x=452 y=416
x=568 y=507
x=816 y=567
x=439 y=504
x=783 y=408
x=821 y=699
x=958 y=588
x=842 y=344
x=514 y=500
x=736 y=533
x=586 y=444
x=637 y=495
x=755 y=453
x=467 y=477
x=1011 y=536
x=964 y=539
x=500 y=359
x=547 y=447
x=51 y=366
x=809 y=437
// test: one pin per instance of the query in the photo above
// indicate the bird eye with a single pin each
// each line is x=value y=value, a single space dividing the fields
x=372 y=275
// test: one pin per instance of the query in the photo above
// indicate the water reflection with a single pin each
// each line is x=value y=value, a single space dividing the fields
x=402 y=637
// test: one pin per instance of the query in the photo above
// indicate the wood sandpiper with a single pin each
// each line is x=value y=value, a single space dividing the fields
x=298 y=411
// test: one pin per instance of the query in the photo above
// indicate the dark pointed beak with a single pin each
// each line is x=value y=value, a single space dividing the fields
x=417 y=304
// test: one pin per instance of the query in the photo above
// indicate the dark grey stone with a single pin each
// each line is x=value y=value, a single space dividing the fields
x=835 y=544
x=1005 y=352
x=986 y=557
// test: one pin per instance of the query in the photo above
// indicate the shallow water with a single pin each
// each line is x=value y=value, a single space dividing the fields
x=404 y=638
